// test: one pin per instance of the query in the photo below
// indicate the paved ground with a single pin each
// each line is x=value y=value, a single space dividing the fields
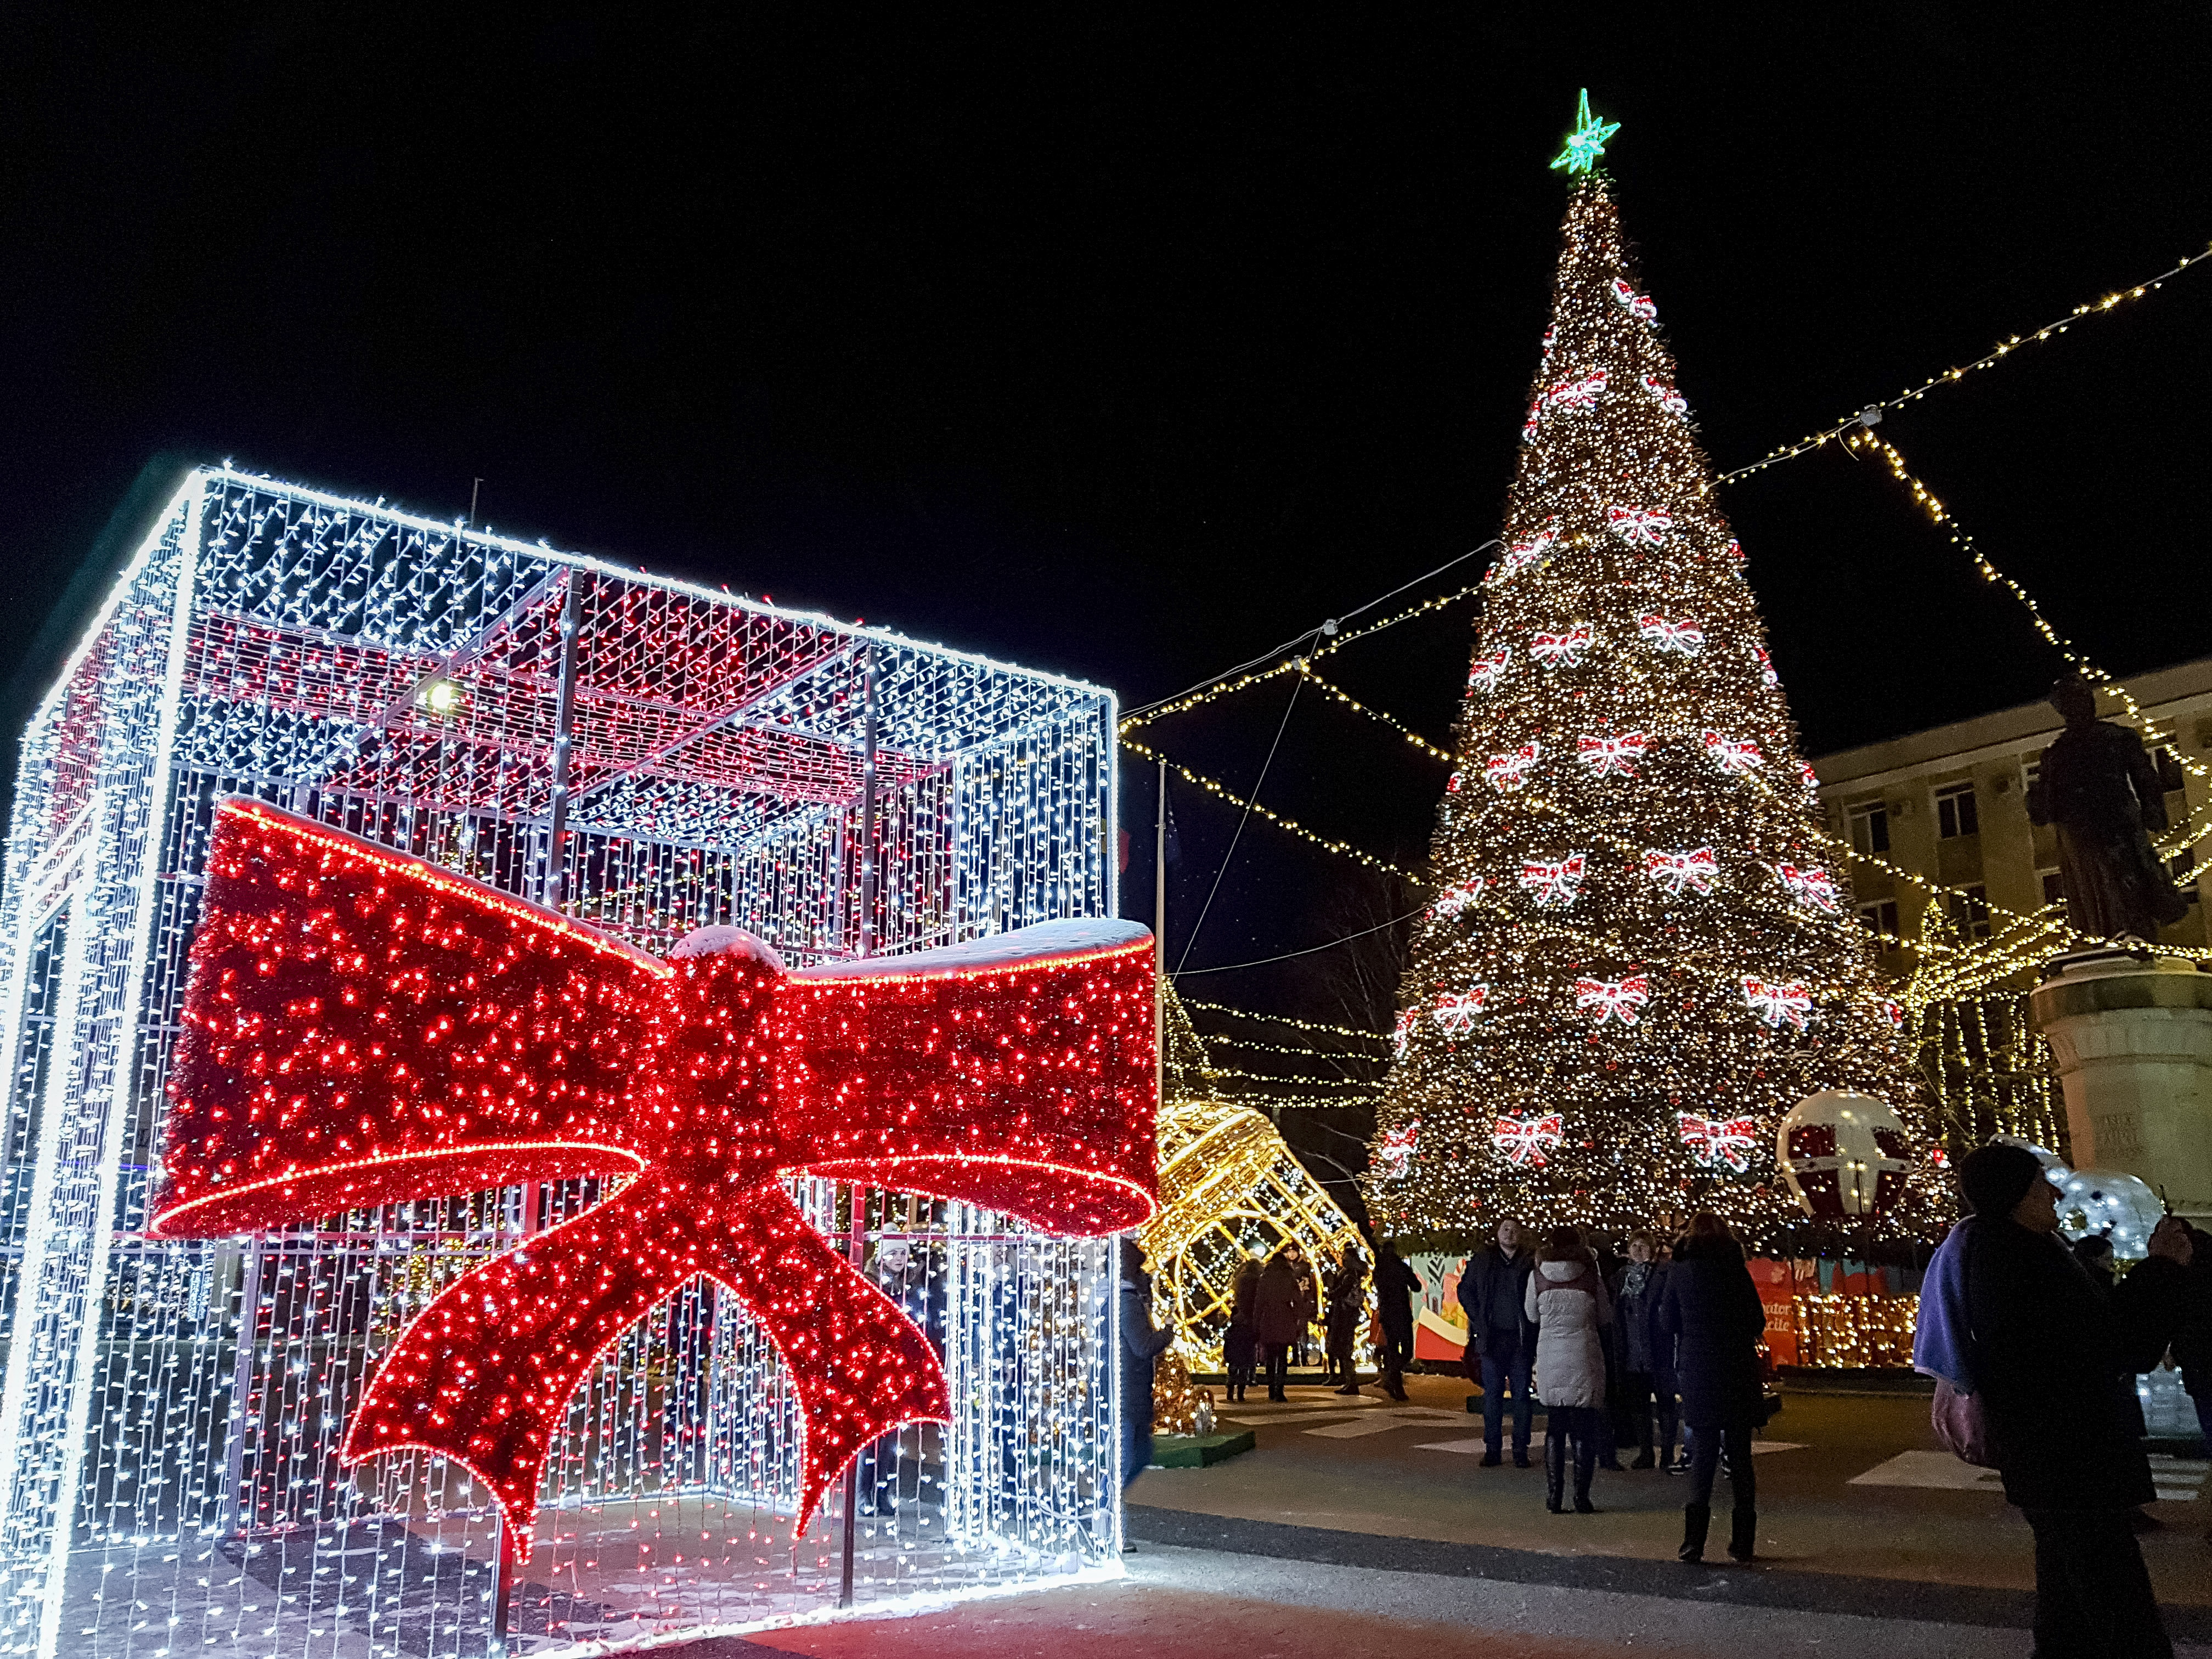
x=1376 y=1470
x=1360 y=1528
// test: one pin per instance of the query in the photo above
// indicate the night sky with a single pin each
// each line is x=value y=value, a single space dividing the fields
x=1128 y=346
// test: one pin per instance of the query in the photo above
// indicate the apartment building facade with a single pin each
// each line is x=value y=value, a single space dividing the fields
x=1949 y=805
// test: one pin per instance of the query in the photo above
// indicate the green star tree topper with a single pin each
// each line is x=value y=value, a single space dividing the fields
x=1643 y=951
x=1587 y=142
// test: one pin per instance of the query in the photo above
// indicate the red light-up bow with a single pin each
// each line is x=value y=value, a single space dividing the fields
x=1718 y=1141
x=1454 y=900
x=1610 y=997
x=1397 y=1151
x=1486 y=672
x=1577 y=394
x=1510 y=771
x=1733 y=755
x=1561 y=650
x=363 y=1027
x=1768 y=677
x=1676 y=870
x=1525 y=1140
x=1667 y=397
x=1776 y=1003
x=1530 y=549
x=1612 y=757
x=1401 y=1035
x=1637 y=523
x=1554 y=883
x=1638 y=305
x=1816 y=887
x=1685 y=637
x=1457 y=1010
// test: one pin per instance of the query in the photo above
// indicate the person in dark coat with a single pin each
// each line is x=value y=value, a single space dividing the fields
x=1347 y=1305
x=1240 y=1343
x=1492 y=1288
x=1396 y=1285
x=1646 y=1353
x=1711 y=1311
x=1282 y=1308
x=2045 y=1343
x=2192 y=1334
x=1140 y=1346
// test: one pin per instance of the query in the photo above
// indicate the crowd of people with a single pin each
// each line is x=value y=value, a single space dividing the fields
x=2035 y=1345
x=1656 y=1340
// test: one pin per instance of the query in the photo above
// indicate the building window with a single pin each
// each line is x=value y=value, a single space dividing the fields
x=1881 y=917
x=1869 y=822
x=2169 y=768
x=2054 y=888
x=1969 y=910
x=1955 y=812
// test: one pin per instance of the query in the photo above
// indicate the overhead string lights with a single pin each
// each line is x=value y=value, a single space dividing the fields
x=1990 y=359
x=1289 y=825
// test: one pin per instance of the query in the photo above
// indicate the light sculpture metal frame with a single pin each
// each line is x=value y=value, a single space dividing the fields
x=650 y=758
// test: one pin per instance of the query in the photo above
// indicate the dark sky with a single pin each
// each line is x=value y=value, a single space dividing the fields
x=1127 y=345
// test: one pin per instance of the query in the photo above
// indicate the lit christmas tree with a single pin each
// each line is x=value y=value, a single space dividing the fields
x=1641 y=952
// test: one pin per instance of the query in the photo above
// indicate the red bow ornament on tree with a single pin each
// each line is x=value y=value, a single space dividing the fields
x=1774 y=1003
x=1612 y=757
x=1815 y=888
x=1562 y=650
x=363 y=1027
x=1510 y=771
x=1484 y=673
x=1553 y=882
x=1735 y=755
x=1685 y=638
x=1457 y=1010
x=1678 y=872
x=1525 y=1140
x=1455 y=900
x=1715 y=1140
x=1608 y=997
x=1639 y=524
x=1395 y=1152
x=1531 y=549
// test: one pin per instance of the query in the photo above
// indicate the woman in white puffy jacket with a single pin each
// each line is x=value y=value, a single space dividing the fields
x=1566 y=1299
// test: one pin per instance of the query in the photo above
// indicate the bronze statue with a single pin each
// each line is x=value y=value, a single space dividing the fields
x=2098 y=786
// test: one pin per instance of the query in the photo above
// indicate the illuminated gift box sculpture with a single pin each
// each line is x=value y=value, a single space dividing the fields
x=499 y=788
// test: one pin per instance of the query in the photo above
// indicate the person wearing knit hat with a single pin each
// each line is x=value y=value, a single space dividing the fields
x=2043 y=1342
x=1996 y=1177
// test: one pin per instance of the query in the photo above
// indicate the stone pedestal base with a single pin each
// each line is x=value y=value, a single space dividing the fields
x=2133 y=1039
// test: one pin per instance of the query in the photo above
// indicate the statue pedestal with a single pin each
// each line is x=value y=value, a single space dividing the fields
x=2134 y=1045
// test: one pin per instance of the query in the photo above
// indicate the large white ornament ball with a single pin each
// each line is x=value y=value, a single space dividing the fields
x=2120 y=1206
x=1843 y=1154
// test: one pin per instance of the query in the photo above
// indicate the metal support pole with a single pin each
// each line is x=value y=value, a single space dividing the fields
x=241 y=1381
x=871 y=851
x=857 y=1233
x=502 y=1604
x=564 y=710
x=553 y=892
x=856 y=1244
